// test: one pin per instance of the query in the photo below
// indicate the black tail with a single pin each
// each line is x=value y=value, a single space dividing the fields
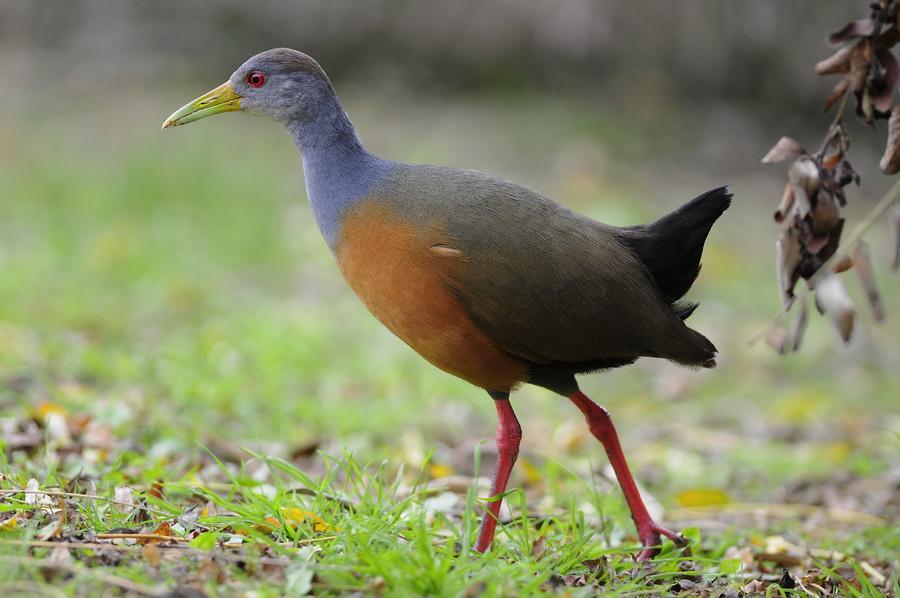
x=670 y=248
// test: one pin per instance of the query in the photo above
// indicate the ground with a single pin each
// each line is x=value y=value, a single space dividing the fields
x=194 y=403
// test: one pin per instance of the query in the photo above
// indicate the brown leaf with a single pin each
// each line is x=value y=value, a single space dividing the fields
x=860 y=57
x=839 y=62
x=156 y=490
x=860 y=28
x=785 y=149
x=164 y=529
x=862 y=259
x=824 y=219
x=890 y=161
x=865 y=108
x=845 y=176
x=890 y=36
x=787 y=199
x=844 y=264
x=883 y=96
x=787 y=259
x=833 y=242
x=831 y=160
x=804 y=173
x=833 y=301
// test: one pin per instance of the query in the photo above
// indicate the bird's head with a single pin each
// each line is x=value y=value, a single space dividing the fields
x=283 y=84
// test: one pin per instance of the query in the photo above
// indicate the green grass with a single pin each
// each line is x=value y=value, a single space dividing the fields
x=170 y=291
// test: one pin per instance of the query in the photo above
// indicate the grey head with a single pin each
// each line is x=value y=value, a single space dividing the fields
x=283 y=84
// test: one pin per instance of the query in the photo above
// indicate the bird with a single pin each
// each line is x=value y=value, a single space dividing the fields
x=486 y=279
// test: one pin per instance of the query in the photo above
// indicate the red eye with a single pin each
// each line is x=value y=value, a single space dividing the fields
x=256 y=79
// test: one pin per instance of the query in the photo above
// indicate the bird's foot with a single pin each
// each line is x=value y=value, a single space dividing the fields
x=652 y=540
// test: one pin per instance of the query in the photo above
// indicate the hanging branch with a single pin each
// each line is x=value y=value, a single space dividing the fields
x=811 y=210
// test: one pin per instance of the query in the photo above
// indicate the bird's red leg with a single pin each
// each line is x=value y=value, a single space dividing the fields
x=602 y=428
x=509 y=434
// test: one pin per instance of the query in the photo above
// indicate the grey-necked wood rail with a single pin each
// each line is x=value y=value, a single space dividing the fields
x=487 y=280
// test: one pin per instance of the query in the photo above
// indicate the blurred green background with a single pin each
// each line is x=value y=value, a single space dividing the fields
x=173 y=285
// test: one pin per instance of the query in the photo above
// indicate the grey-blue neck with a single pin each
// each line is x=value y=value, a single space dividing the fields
x=338 y=170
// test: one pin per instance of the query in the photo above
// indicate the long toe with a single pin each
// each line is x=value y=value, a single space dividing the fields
x=677 y=538
x=652 y=541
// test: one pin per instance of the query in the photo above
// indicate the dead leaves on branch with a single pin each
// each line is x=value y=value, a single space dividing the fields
x=866 y=62
x=810 y=213
x=811 y=220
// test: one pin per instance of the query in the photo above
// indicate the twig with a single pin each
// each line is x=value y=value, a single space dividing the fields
x=138 y=536
x=5 y=493
x=106 y=578
x=182 y=550
x=836 y=121
x=865 y=224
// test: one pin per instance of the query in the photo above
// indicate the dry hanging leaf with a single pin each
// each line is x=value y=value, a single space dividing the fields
x=785 y=149
x=810 y=210
x=804 y=174
x=787 y=260
x=787 y=200
x=833 y=301
x=837 y=63
x=862 y=260
x=795 y=335
x=884 y=84
x=824 y=219
x=860 y=28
